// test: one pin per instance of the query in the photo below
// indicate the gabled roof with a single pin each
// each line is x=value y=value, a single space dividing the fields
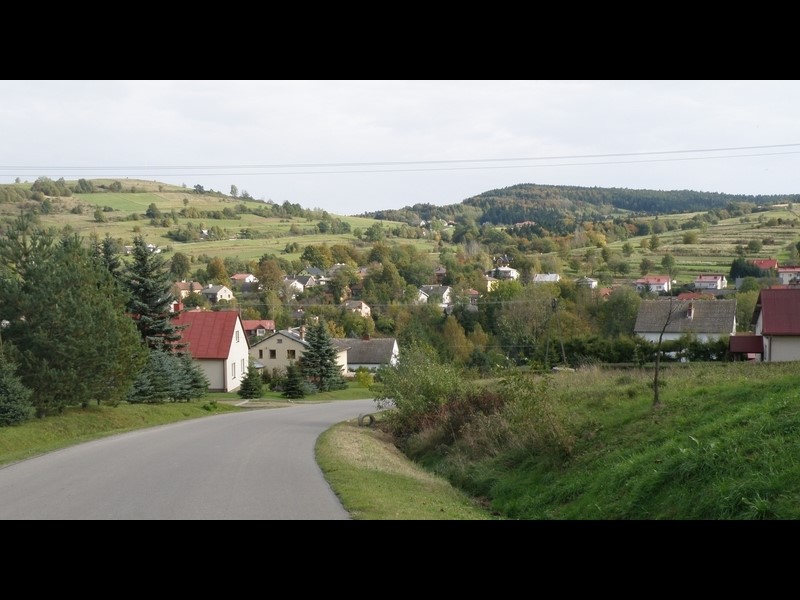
x=188 y=285
x=708 y=316
x=653 y=279
x=286 y=333
x=374 y=351
x=241 y=276
x=710 y=277
x=435 y=290
x=355 y=305
x=780 y=311
x=306 y=280
x=253 y=324
x=214 y=289
x=765 y=263
x=208 y=333
x=695 y=296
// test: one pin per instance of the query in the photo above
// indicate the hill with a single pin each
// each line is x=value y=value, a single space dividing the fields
x=558 y=208
x=176 y=217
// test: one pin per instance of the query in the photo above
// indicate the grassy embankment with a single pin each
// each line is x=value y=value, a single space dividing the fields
x=723 y=446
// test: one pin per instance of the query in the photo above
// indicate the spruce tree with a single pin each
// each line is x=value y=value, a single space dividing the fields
x=319 y=360
x=252 y=386
x=70 y=335
x=294 y=387
x=148 y=282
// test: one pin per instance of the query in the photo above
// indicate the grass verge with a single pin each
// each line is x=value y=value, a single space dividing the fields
x=375 y=481
x=77 y=425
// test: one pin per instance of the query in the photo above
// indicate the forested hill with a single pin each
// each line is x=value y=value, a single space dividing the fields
x=553 y=206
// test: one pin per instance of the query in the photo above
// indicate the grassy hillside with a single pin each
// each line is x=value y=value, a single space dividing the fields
x=124 y=217
x=724 y=446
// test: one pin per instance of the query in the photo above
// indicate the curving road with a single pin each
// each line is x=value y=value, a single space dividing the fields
x=256 y=464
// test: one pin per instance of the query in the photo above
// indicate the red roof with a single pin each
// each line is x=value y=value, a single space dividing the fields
x=208 y=333
x=765 y=263
x=749 y=343
x=653 y=279
x=780 y=311
x=694 y=296
x=253 y=324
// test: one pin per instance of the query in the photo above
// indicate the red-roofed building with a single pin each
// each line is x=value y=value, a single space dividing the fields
x=218 y=344
x=777 y=321
x=258 y=327
x=765 y=264
x=789 y=275
x=710 y=281
x=654 y=283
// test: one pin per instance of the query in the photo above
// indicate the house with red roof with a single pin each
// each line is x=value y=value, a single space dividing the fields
x=654 y=283
x=765 y=264
x=258 y=327
x=710 y=281
x=217 y=342
x=777 y=322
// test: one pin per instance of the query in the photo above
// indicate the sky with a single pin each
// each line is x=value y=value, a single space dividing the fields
x=354 y=146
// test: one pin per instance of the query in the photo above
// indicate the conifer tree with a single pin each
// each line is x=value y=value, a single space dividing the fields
x=294 y=387
x=147 y=280
x=319 y=360
x=252 y=386
x=15 y=405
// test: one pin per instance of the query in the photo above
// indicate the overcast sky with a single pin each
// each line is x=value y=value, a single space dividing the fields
x=369 y=145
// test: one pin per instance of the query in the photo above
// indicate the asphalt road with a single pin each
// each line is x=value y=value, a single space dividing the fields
x=257 y=464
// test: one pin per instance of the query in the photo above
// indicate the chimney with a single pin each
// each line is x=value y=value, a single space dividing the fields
x=302 y=332
x=690 y=312
x=365 y=337
x=177 y=306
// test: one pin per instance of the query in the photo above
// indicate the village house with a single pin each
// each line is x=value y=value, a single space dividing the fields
x=546 y=278
x=789 y=275
x=777 y=322
x=182 y=289
x=368 y=352
x=442 y=294
x=710 y=281
x=586 y=282
x=285 y=347
x=217 y=342
x=706 y=320
x=258 y=327
x=358 y=307
x=653 y=283
x=216 y=293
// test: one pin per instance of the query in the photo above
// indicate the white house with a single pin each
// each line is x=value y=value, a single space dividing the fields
x=370 y=353
x=777 y=323
x=503 y=273
x=710 y=281
x=217 y=342
x=546 y=278
x=789 y=275
x=243 y=278
x=654 y=283
x=586 y=282
x=358 y=307
x=215 y=293
x=442 y=293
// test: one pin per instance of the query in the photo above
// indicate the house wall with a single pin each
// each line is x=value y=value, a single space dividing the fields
x=214 y=370
x=238 y=356
x=281 y=345
x=781 y=348
x=701 y=337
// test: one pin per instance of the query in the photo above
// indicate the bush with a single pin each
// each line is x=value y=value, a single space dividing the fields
x=15 y=405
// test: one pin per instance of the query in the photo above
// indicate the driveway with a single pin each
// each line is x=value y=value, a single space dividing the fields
x=256 y=464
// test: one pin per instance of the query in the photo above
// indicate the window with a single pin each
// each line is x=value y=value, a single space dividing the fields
x=290 y=354
x=260 y=354
x=233 y=370
x=280 y=341
x=243 y=369
x=261 y=331
x=237 y=336
x=273 y=354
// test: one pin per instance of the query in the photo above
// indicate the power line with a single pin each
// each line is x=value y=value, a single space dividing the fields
x=417 y=162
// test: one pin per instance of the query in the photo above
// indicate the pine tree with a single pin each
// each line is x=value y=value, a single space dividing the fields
x=148 y=282
x=75 y=344
x=294 y=387
x=319 y=360
x=252 y=385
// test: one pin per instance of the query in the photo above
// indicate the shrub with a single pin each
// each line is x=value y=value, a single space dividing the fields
x=15 y=405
